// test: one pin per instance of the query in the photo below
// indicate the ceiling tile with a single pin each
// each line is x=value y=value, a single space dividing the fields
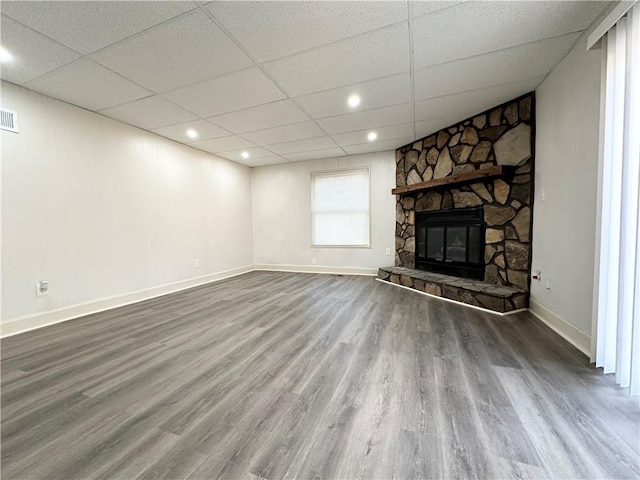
x=419 y=8
x=150 y=112
x=223 y=144
x=466 y=104
x=87 y=26
x=254 y=154
x=271 y=30
x=263 y=161
x=283 y=112
x=178 y=132
x=427 y=127
x=378 y=117
x=378 y=146
x=315 y=154
x=317 y=143
x=33 y=53
x=245 y=88
x=384 y=133
x=88 y=85
x=193 y=49
x=286 y=133
x=377 y=93
x=504 y=66
x=371 y=55
x=480 y=27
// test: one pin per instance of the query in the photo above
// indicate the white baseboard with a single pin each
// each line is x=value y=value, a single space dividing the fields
x=482 y=309
x=372 y=272
x=566 y=330
x=38 y=320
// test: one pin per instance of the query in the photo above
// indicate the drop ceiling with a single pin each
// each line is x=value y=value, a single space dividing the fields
x=272 y=78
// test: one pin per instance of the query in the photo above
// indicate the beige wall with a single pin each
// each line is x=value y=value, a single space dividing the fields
x=282 y=214
x=101 y=209
x=568 y=106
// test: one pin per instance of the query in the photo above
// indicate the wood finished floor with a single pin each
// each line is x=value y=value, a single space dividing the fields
x=283 y=375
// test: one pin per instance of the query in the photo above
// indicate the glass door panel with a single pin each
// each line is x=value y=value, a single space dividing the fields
x=457 y=244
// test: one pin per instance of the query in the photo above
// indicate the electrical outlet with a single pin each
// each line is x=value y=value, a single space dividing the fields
x=42 y=288
x=196 y=263
x=387 y=252
x=313 y=261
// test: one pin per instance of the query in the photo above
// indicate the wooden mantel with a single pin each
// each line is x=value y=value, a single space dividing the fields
x=451 y=180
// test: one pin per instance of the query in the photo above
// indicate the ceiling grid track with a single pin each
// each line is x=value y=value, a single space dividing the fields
x=88 y=56
x=411 y=66
x=84 y=56
x=270 y=77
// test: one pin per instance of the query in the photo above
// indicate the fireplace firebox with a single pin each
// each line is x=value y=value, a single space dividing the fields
x=451 y=242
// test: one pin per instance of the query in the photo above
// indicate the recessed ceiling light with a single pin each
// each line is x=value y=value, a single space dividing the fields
x=354 y=100
x=5 y=55
x=372 y=136
x=245 y=155
x=191 y=133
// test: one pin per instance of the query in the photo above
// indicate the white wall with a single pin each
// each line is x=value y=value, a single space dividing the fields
x=568 y=106
x=282 y=214
x=101 y=209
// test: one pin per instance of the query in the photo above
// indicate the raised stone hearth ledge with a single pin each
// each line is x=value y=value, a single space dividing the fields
x=498 y=298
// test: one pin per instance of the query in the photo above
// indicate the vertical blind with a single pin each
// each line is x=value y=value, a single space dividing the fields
x=340 y=208
x=618 y=288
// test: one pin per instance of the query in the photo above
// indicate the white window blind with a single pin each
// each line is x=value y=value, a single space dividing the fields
x=340 y=208
x=618 y=281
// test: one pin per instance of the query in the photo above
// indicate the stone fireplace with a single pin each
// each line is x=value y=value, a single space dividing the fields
x=482 y=166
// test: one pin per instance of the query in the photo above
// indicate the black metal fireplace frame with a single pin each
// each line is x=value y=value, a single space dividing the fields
x=465 y=217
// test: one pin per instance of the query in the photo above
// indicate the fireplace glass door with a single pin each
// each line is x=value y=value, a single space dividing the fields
x=451 y=242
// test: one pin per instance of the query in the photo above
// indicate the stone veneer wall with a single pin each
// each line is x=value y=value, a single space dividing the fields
x=503 y=135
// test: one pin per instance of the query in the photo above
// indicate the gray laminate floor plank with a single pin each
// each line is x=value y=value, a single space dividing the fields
x=467 y=450
x=283 y=375
x=499 y=421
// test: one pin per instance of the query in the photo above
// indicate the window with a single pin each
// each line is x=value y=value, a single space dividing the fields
x=340 y=208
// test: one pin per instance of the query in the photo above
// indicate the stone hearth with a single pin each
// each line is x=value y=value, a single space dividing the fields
x=473 y=292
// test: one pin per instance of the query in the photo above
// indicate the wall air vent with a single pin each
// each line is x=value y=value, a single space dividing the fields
x=8 y=120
